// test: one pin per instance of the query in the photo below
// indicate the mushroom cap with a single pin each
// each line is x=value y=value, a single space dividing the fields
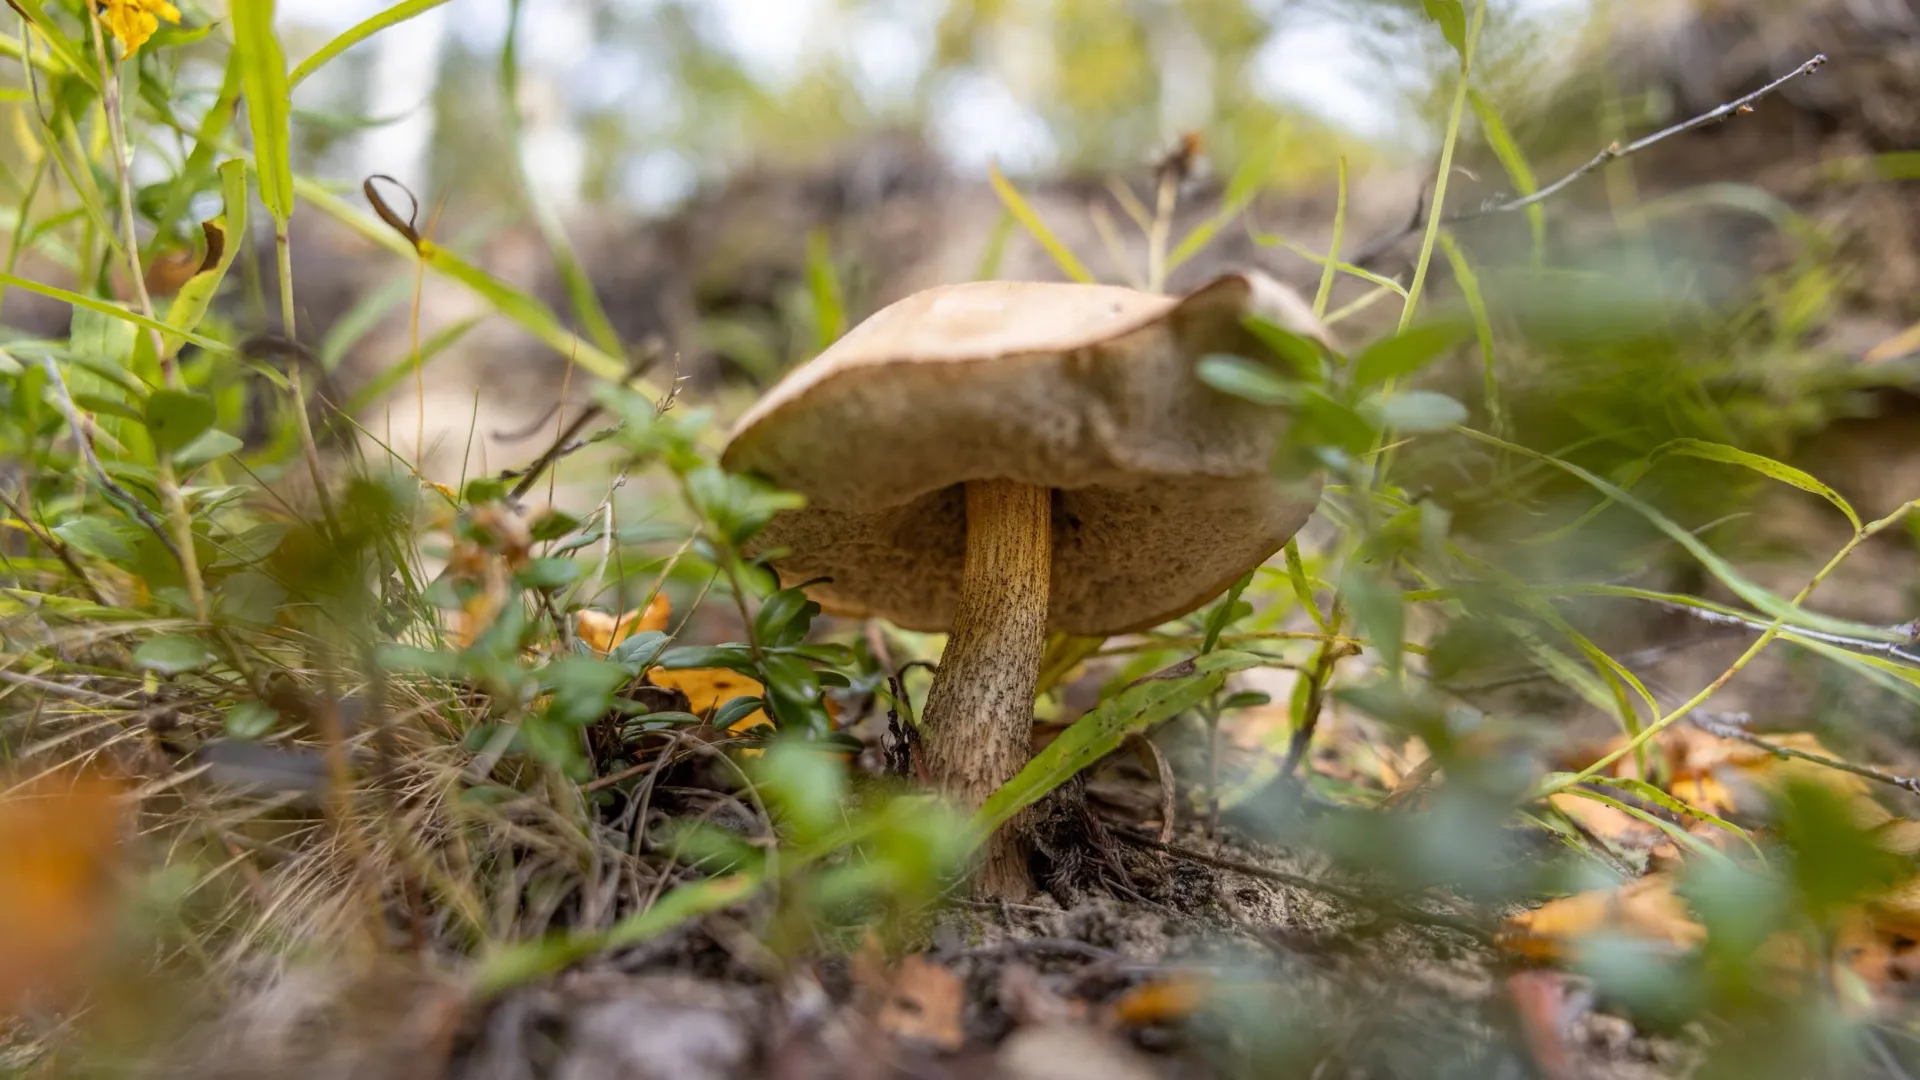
x=1163 y=494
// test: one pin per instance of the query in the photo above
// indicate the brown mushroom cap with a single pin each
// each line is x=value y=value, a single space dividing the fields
x=1162 y=490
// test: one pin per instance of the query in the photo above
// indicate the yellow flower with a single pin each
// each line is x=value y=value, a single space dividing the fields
x=134 y=21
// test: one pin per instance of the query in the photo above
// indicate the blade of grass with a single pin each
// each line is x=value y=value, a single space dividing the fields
x=1518 y=171
x=1016 y=205
x=358 y=33
x=1437 y=210
x=1325 y=291
x=1147 y=702
x=377 y=387
x=573 y=276
x=106 y=307
x=57 y=40
x=1469 y=283
x=524 y=309
x=1266 y=239
x=263 y=82
x=1724 y=571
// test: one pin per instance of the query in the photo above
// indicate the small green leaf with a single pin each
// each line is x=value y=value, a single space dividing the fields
x=1229 y=608
x=212 y=443
x=784 y=618
x=172 y=654
x=806 y=787
x=1404 y=354
x=639 y=652
x=177 y=417
x=732 y=657
x=1451 y=17
x=225 y=235
x=582 y=687
x=360 y=31
x=1247 y=380
x=548 y=574
x=1300 y=353
x=99 y=403
x=1416 y=411
x=99 y=338
x=553 y=525
x=735 y=710
x=250 y=720
x=1379 y=609
x=95 y=536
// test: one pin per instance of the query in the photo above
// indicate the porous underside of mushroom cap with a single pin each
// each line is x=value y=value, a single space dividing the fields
x=1162 y=492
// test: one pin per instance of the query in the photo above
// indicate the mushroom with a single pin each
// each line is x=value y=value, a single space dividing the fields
x=1000 y=459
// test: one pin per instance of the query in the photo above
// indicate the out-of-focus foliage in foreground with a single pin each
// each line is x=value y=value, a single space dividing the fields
x=271 y=699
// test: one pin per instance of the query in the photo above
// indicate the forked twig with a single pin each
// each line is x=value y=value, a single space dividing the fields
x=1613 y=152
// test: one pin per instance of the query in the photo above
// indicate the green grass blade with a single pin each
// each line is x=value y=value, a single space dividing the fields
x=1266 y=239
x=1016 y=205
x=1742 y=586
x=57 y=41
x=823 y=286
x=1325 y=292
x=526 y=962
x=206 y=142
x=532 y=315
x=263 y=81
x=1093 y=736
x=377 y=387
x=1519 y=172
x=1468 y=45
x=1636 y=471
x=358 y=33
x=107 y=308
x=573 y=276
x=1469 y=283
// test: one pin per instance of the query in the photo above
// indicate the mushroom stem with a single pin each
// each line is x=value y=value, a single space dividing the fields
x=979 y=713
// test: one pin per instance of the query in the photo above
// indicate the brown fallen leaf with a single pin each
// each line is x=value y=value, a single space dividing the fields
x=603 y=631
x=59 y=845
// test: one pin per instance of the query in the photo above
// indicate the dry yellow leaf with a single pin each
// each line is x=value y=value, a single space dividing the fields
x=1648 y=909
x=603 y=632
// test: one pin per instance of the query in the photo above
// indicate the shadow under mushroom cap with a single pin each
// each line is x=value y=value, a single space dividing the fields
x=1162 y=494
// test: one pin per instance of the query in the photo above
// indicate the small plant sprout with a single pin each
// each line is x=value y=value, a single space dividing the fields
x=1001 y=459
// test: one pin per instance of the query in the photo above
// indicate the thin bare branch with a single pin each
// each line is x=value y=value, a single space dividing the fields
x=1737 y=107
x=1728 y=726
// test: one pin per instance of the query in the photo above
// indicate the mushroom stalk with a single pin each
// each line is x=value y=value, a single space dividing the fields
x=979 y=713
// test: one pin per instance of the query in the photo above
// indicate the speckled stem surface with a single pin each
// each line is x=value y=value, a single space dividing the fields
x=979 y=714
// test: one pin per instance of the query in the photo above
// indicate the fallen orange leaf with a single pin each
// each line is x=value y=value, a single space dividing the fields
x=1171 y=1000
x=59 y=839
x=603 y=632
x=1648 y=909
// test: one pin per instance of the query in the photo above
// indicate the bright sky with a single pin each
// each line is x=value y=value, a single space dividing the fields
x=1315 y=63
